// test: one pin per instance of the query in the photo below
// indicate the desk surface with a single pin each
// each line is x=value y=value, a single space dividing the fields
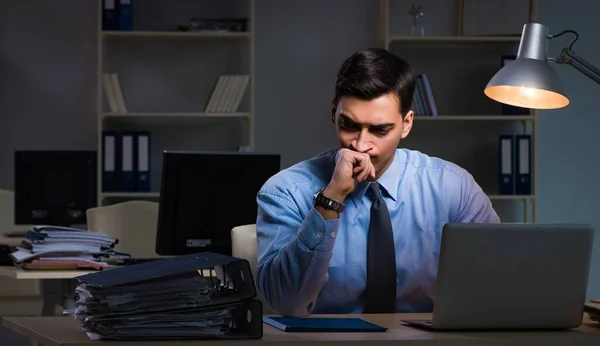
x=12 y=241
x=20 y=273
x=65 y=331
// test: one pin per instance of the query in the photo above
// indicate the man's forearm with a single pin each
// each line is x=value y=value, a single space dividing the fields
x=291 y=278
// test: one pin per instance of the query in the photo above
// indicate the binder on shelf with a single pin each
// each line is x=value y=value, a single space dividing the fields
x=125 y=15
x=142 y=139
x=127 y=177
x=109 y=161
x=523 y=159
x=506 y=165
x=110 y=20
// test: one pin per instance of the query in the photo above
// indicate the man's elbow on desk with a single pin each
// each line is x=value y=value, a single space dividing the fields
x=285 y=304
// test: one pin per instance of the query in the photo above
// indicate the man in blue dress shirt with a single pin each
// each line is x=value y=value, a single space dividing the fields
x=312 y=252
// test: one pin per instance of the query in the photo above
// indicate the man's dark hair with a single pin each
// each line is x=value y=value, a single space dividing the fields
x=373 y=72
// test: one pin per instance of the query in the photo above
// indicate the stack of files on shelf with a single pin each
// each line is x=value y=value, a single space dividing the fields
x=423 y=102
x=170 y=298
x=64 y=248
x=227 y=94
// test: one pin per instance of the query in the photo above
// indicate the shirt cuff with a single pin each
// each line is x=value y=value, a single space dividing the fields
x=317 y=233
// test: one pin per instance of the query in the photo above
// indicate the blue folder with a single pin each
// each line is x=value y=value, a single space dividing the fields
x=322 y=324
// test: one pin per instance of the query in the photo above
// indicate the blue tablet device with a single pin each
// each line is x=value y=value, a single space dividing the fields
x=322 y=324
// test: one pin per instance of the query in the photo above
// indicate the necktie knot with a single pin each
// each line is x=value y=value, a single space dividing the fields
x=375 y=189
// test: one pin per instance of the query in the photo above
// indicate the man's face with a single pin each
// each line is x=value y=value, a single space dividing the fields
x=374 y=127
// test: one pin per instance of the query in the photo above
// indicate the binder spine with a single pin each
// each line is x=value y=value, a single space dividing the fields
x=128 y=158
x=109 y=161
x=125 y=15
x=143 y=161
x=110 y=19
x=523 y=159
x=506 y=165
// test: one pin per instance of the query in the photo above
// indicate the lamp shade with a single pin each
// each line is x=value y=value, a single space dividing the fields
x=529 y=81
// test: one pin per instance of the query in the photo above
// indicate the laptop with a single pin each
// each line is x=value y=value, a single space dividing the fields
x=511 y=276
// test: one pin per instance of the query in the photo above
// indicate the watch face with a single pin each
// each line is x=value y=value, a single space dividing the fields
x=316 y=195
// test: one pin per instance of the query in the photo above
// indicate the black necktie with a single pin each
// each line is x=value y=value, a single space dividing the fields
x=380 y=295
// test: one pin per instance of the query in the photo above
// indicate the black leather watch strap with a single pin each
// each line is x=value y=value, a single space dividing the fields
x=322 y=201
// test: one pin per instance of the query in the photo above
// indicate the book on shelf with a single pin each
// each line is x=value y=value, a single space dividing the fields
x=227 y=94
x=423 y=102
x=114 y=93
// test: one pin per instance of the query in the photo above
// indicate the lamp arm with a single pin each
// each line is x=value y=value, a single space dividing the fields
x=568 y=57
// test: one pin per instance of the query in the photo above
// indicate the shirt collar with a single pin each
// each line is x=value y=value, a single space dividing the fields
x=390 y=179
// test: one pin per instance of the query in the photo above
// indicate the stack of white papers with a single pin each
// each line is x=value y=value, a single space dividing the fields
x=54 y=247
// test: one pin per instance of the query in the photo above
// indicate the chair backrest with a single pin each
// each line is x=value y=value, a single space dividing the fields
x=243 y=242
x=134 y=223
x=7 y=213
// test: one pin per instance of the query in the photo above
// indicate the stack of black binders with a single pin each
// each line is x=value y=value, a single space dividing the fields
x=198 y=296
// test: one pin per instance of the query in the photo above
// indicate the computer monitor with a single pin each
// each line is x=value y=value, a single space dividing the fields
x=203 y=195
x=54 y=187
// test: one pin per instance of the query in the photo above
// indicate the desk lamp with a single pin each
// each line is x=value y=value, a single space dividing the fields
x=529 y=81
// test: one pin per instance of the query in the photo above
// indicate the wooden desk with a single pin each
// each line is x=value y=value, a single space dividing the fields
x=12 y=241
x=20 y=273
x=59 y=292
x=65 y=331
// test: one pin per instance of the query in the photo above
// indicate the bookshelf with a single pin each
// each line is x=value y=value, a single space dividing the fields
x=168 y=82
x=467 y=126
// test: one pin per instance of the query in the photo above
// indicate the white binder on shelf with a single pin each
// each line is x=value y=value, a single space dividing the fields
x=143 y=161
x=507 y=166
x=109 y=161
x=127 y=178
x=523 y=169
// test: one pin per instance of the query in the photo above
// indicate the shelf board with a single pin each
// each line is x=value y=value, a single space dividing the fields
x=176 y=115
x=474 y=118
x=176 y=34
x=456 y=39
x=511 y=197
x=130 y=194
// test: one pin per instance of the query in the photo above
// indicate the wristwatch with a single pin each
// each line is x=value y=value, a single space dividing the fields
x=321 y=201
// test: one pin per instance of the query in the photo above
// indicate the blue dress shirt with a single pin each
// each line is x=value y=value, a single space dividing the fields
x=307 y=264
